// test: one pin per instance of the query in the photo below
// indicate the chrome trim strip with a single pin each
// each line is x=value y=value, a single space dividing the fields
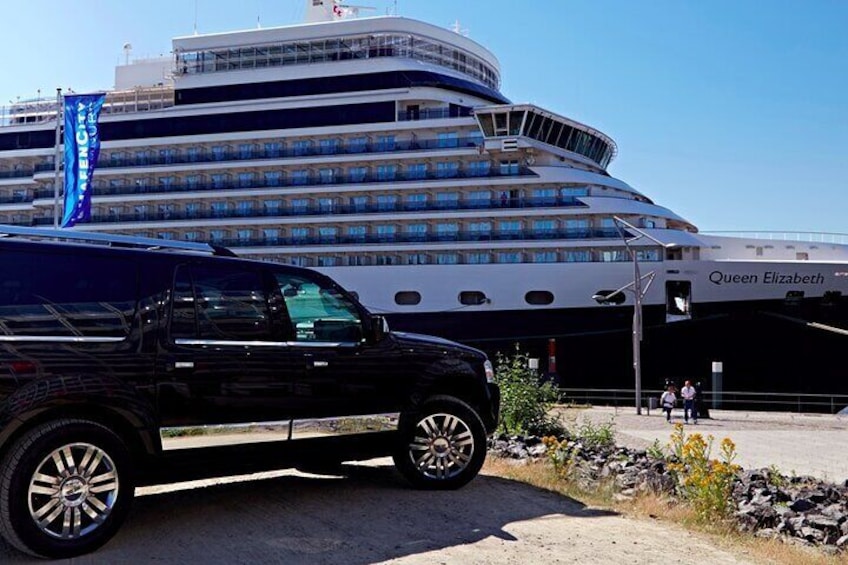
x=61 y=338
x=322 y=343
x=187 y=341
x=194 y=437
x=191 y=341
x=346 y=425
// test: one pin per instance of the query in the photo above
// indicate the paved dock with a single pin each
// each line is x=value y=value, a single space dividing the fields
x=799 y=444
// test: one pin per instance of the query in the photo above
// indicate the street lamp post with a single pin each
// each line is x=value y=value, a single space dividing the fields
x=639 y=292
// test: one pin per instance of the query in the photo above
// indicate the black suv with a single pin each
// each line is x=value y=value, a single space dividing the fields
x=118 y=355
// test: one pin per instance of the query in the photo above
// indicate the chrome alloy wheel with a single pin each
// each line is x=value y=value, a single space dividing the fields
x=442 y=446
x=73 y=491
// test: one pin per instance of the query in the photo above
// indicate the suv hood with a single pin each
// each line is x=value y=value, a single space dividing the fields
x=412 y=339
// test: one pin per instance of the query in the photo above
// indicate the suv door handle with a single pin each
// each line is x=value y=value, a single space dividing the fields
x=316 y=363
x=180 y=365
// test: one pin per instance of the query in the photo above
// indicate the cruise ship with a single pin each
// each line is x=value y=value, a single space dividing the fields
x=382 y=151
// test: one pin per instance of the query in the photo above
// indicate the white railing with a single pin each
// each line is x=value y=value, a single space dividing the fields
x=801 y=236
x=43 y=110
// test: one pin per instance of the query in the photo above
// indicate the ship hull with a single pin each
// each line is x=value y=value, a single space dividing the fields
x=765 y=346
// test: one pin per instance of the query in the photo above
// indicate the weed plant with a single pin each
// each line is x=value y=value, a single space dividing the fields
x=704 y=482
x=526 y=401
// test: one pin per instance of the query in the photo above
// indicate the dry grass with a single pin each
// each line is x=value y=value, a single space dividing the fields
x=655 y=507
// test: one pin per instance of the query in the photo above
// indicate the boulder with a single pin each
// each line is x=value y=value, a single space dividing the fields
x=801 y=505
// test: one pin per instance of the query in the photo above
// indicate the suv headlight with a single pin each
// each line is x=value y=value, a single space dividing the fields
x=490 y=371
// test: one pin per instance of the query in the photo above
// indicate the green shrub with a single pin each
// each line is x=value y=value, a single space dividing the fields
x=594 y=435
x=525 y=401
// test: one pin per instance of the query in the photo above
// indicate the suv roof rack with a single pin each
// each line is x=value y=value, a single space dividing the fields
x=113 y=240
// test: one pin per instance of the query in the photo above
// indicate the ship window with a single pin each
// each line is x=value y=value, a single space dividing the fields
x=545 y=257
x=500 y=124
x=486 y=124
x=448 y=139
x=478 y=258
x=473 y=298
x=515 y=120
x=509 y=257
x=417 y=259
x=794 y=297
x=407 y=298
x=539 y=297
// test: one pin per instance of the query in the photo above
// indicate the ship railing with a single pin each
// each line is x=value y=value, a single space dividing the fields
x=15 y=199
x=799 y=236
x=328 y=210
x=19 y=173
x=260 y=153
x=459 y=236
x=433 y=114
x=310 y=180
x=729 y=400
x=44 y=110
x=343 y=239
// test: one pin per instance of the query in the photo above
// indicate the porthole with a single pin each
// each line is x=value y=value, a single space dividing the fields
x=794 y=297
x=407 y=298
x=472 y=298
x=539 y=297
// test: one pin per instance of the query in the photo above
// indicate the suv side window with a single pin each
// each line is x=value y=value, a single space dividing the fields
x=52 y=295
x=319 y=313
x=217 y=303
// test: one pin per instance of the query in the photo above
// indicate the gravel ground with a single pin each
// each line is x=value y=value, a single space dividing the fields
x=371 y=516
x=802 y=444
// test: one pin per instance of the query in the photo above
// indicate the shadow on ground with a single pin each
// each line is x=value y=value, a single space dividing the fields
x=367 y=516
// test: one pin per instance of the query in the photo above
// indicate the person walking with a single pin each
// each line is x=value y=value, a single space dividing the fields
x=667 y=401
x=688 y=393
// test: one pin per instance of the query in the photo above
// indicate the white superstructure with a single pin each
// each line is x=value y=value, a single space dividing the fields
x=381 y=151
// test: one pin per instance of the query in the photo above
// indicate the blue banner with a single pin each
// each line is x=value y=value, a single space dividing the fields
x=82 y=146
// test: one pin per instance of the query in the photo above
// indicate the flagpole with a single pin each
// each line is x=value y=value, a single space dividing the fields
x=59 y=107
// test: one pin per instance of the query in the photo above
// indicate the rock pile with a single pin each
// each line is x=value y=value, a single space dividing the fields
x=631 y=470
x=805 y=510
x=802 y=510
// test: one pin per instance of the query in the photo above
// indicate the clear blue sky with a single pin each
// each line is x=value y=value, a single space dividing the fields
x=732 y=113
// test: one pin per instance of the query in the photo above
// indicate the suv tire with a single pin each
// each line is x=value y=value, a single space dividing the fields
x=442 y=445
x=65 y=488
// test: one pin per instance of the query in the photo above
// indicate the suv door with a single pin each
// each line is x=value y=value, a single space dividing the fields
x=226 y=358
x=340 y=373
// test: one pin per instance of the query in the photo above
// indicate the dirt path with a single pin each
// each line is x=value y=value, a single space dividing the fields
x=371 y=516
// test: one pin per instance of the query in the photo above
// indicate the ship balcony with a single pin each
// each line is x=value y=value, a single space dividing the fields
x=455 y=237
x=238 y=185
x=18 y=173
x=205 y=156
x=16 y=199
x=336 y=210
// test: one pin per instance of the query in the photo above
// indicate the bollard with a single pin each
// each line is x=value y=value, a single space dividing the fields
x=717 y=383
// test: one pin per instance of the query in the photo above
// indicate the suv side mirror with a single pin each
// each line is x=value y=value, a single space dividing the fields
x=378 y=330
